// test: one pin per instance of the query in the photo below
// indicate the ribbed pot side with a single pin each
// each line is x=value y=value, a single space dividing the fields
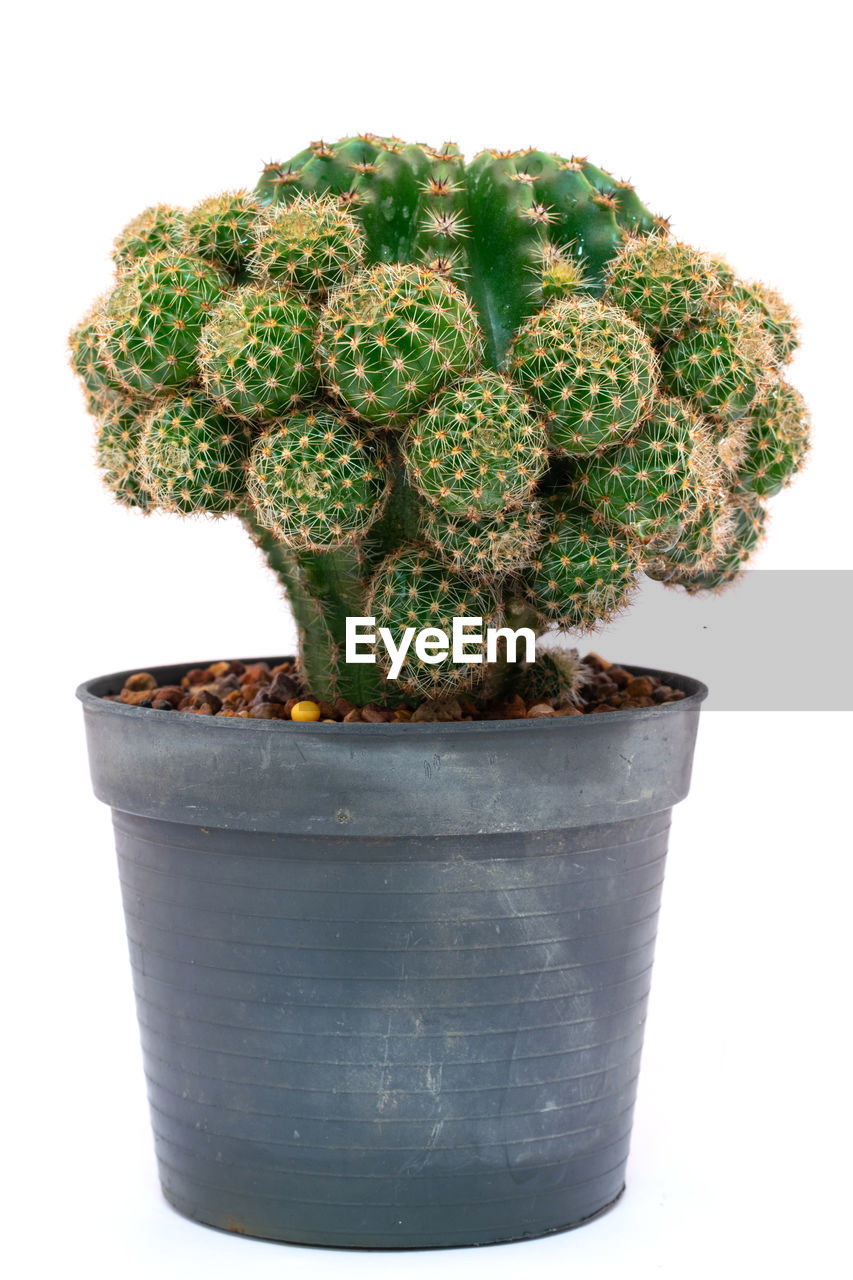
x=391 y=979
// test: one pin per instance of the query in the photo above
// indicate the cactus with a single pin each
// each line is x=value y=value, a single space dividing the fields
x=315 y=482
x=592 y=369
x=492 y=545
x=309 y=244
x=723 y=365
x=711 y=555
x=777 y=440
x=159 y=228
x=432 y=390
x=414 y=589
x=664 y=285
x=150 y=326
x=658 y=480
x=478 y=448
x=582 y=574
x=256 y=353
x=222 y=230
x=192 y=459
x=392 y=338
x=119 y=433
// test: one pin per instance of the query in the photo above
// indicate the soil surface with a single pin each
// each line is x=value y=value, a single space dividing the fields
x=260 y=692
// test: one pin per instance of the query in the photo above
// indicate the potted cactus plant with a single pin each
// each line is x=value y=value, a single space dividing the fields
x=391 y=903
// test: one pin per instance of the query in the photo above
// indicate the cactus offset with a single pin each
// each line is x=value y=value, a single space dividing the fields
x=222 y=229
x=432 y=389
x=256 y=353
x=392 y=338
x=315 y=482
x=192 y=459
x=308 y=244
x=478 y=448
x=592 y=370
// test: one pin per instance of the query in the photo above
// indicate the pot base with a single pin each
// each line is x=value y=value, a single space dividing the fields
x=186 y=1212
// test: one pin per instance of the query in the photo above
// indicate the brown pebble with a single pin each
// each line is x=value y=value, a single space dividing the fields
x=661 y=692
x=282 y=687
x=141 y=680
x=353 y=717
x=437 y=712
x=257 y=673
x=569 y=711
x=515 y=708
x=540 y=710
x=162 y=704
x=602 y=706
x=619 y=675
x=204 y=698
x=197 y=675
x=327 y=711
x=676 y=695
x=218 y=669
x=236 y=668
x=402 y=715
x=169 y=693
x=640 y=687
x=598 y=663
x=267 y=711
x=372 y=714
x=343 y=706
x=136 y=698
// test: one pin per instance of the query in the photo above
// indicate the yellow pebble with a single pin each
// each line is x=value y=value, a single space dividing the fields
x=305 y=711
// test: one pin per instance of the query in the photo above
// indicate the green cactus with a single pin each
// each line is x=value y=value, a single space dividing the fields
x=150 y=325
x=158 y=229
x=656 y=481
x=392 y=338
x=478 y=448
x=722 y=366
x=97 y=375
x=309 y=244
x=777 y=440
x=414 y=589
x=777 y=318
x=431 y=390
x=315 y=482
x=119 y=432
x=582 y=574
x=222 y=229
x=557 y=674
x=498 y=543
x=484 y=225
x=665 y=285
x=712 y=557
x=591 y=368
x=256 y=353
x=192 y=459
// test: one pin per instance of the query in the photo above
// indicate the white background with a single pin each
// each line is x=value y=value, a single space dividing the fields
x=731 y=118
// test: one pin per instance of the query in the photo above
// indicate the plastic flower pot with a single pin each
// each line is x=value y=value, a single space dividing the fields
x=391 y=979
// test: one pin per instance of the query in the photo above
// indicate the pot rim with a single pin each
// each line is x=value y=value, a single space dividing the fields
x=92 y=694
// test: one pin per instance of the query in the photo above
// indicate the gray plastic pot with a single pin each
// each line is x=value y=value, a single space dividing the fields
x=391 y=979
